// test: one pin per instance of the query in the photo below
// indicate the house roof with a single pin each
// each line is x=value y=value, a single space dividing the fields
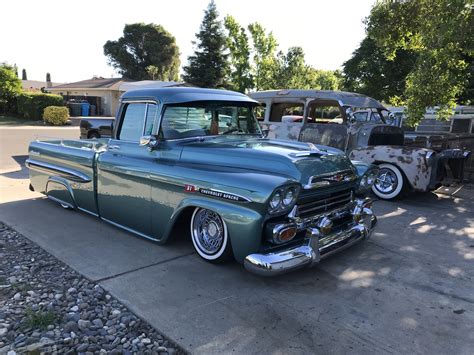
x=35 y=84
x=94 y=83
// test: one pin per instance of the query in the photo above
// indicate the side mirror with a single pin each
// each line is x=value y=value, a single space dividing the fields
x=350 y=115
x=150 y=141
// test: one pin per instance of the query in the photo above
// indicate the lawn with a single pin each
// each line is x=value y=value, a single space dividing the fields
x=14 y=121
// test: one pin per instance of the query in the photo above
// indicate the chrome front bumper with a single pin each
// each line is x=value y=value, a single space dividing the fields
x=315 y=246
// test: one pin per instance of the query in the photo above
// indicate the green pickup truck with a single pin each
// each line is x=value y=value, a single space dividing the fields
x=197 y=158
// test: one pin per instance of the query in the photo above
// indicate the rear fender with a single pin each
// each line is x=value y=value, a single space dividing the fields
x=59 y=190
x=411 y=161
x=244 y=225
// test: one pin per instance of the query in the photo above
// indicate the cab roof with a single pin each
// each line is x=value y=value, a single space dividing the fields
x=344 y=98
x=176 y=95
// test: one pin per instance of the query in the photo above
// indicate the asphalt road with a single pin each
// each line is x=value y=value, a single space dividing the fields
x=409 y=289
x=14 y=142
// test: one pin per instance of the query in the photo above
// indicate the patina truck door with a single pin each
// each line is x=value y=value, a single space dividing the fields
x=283 y=118
x=324 y=124
x=123 y=181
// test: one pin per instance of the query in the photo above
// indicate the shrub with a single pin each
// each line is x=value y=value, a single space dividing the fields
x=10 y=87
x=31 y=104
x=56 y=115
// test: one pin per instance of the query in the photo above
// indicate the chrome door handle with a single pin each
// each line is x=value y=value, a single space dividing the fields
x=114 y=147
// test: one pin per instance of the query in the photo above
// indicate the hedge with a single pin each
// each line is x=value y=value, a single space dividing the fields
x=56 y=115
x=31 y=105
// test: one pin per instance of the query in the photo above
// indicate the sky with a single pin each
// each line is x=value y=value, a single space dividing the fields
x=66 y=38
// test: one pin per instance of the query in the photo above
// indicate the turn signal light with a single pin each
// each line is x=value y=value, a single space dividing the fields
x=287 y=234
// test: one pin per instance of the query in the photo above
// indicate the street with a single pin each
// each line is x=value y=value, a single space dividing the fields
x=14 y=142
x=409 y=289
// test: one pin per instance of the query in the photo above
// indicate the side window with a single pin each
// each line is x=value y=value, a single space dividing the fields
x=260 y=112
x=287 y=112
x=137 y=121
x=150 y=119
x=132 y=123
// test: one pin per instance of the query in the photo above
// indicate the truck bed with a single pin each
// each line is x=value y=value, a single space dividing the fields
x=65 y=170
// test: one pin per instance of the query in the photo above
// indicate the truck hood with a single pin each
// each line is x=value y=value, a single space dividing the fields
x=294 y=160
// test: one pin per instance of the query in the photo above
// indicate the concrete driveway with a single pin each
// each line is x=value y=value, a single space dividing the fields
x=408 y=290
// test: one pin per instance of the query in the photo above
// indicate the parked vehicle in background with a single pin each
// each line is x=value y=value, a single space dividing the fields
x=196 y=158
x=365 y=130
x=96 y=127
x=457 y=132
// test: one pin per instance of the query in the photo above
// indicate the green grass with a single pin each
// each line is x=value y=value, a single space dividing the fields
x=14 y=121
x=38 y=319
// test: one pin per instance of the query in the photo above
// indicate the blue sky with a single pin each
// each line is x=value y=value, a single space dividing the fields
x=66 y=38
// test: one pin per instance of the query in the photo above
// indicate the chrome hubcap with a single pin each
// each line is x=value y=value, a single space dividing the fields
x=386 y=181
x=208 y=231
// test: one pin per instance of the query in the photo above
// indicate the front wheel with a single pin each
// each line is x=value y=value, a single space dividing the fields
x=209 y=235
x=389 y=182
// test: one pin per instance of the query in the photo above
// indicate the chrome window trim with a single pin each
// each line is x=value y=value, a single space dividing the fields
x=146 y=103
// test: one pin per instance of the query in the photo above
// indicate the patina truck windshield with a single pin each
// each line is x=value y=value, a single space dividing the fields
x=208 y=119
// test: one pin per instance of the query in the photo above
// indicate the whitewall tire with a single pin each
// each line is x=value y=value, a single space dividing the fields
x=209 y=235
x=389 y=182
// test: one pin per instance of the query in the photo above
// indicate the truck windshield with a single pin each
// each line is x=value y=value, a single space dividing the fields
x=208 y=119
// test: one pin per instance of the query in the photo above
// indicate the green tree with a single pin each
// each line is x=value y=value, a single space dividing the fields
x=441 y=33
x=241 y=78
x=208 y=66
x=143 y=45
x=323 y=79
x=23 y=75
x=369 y=72
x=10 y=87
x=291 y=70
x=264 y=57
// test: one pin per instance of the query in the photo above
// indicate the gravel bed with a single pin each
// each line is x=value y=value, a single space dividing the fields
x=46 y=307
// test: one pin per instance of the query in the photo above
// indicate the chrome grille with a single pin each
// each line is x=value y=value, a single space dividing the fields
x=310 y=206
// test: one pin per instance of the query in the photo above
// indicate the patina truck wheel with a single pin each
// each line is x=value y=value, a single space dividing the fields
x=389 y=182
x=209 y=235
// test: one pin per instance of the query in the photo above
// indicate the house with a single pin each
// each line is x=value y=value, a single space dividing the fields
x=36 y=85
x=104 y=93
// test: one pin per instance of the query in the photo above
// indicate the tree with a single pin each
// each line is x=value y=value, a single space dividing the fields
x=23 y=75
x=10 y=87
x=241 y=78
x=441 y=33
x=264 y=58
x=369 y=72
x=143 y=45
x=208 y=66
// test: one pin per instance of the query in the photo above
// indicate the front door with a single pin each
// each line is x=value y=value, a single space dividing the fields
x=123 y=182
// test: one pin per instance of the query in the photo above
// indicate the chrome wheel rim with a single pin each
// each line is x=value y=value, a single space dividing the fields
x=386 y=181
x=208 y=231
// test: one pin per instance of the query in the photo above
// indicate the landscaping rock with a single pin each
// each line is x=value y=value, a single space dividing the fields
x=49 y=308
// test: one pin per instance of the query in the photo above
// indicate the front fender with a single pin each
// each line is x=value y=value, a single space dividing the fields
x=244 y=224
x=411 y=161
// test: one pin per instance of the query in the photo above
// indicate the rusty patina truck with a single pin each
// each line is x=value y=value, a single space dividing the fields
x=362 y=127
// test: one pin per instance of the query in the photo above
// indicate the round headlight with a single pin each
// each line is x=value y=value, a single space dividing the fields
x=289 y=197
x=276 y=200
x=371 y=178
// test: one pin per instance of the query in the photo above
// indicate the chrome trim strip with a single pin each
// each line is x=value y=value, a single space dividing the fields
x=54 y=169
x=88 y=212
x=129 y=229
x=349 y=175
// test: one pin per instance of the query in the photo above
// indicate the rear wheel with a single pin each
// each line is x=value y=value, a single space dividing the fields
x=209 y=236
x=389 y=183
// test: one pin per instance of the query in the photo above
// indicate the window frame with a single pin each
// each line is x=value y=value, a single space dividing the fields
x=123 y=112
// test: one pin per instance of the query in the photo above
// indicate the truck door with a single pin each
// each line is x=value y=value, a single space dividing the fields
x=123 y=179
x=284 y=119
x=324 y=124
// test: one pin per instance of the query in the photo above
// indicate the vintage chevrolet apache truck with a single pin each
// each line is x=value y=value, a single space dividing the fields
x=361 y=126
x=197 y=158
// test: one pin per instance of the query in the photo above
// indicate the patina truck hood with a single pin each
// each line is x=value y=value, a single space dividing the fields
x=295 y=160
